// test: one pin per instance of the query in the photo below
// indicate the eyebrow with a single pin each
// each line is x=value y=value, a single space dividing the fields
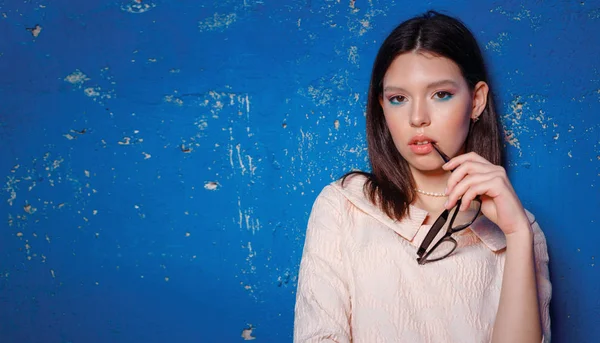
x=429 y=86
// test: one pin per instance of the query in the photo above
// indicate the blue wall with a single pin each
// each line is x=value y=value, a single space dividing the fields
x=159 y=158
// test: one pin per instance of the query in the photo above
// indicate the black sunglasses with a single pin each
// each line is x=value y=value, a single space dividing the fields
x=458 y=222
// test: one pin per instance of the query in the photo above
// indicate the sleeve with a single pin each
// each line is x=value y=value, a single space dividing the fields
x=322 y=312
x=544 y=286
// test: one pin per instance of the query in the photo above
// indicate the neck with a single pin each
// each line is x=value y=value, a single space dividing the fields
x=430 y=181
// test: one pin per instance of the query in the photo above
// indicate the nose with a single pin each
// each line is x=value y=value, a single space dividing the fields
x=419 y=115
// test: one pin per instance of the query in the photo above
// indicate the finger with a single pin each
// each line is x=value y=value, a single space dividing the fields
x=467 y=168
x=490 y=188
x=464 y=185
x=460 y=159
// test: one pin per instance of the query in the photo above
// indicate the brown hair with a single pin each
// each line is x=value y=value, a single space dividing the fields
x=390 y=184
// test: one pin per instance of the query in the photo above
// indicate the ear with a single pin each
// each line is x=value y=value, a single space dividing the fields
x=480 y=94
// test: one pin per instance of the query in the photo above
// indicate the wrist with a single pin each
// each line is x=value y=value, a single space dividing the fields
x=520 y=235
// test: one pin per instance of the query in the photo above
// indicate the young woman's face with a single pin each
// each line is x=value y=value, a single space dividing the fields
x=427 y=100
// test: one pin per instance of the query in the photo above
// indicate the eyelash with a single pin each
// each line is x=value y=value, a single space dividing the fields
x=446 y=96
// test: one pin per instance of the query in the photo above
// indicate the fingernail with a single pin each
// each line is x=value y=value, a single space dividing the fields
x=446 y=204
x=446 y=190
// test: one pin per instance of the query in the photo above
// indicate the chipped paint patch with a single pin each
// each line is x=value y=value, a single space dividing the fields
x=35 y=31
x=174 y=99
x=96 y=93
x=125 y=141
x=76 y=78
x=362 y=25
x=521 y=15
x=513 y=125
x=217 y=22
x=496 y=45
x=211 y=185
x=247 y=334
x=353 y=55
x=29 y=209
x=137 y=7
x=320 y=96
x=10 y=188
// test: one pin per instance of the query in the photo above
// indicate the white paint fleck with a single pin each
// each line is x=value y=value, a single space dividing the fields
x=247 y=334
x=320 y=96
x=217 y=22
x=496 y=45
x=211 y=185
x=336 y=124
x=87 y=173
x=29 y=209
x=125 y=141
x=68 y=136
x=174 y=99
x=353 y=54
x=76 y=78
x=146 y=155
x=240 y=160
x=523 y=14
x=92 y=92
x=35 y=31
x=136 y=7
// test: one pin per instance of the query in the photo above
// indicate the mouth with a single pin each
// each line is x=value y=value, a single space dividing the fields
x=421 y=145
x=421 y=140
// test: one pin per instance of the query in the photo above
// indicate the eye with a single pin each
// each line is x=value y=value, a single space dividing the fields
x=443 y=95
x=397 y=100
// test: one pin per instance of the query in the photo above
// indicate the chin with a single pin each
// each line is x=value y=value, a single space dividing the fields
x=425 y=166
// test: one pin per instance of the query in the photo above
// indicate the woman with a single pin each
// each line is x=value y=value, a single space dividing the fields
x=387 y=256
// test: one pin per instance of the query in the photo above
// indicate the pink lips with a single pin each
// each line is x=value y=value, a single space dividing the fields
x=417 y=146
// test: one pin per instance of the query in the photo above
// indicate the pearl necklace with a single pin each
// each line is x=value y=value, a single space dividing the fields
x=433 y=194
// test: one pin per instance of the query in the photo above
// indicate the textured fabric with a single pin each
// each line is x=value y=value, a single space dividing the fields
x=359 y=280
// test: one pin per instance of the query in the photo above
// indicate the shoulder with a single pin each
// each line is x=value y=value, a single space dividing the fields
x=343 y=193
x=538 y=234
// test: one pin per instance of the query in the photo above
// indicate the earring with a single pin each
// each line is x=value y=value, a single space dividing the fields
x=475 y=120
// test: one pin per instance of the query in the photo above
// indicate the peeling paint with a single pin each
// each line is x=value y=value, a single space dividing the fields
x=496 y=45
x=211 y=186
x=247 y=334
x=521 y=15
x=35 y=31
x=217 y=22
x=77 y=78
x=137 y=7
x=353 y=55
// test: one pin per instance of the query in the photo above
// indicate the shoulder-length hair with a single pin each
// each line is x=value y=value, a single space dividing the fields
x=390 y=184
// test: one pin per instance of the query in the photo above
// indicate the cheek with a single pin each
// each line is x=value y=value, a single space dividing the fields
x=456 y=127
x=395 y=125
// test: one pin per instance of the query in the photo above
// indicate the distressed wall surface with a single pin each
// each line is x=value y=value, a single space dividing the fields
x=159 y=158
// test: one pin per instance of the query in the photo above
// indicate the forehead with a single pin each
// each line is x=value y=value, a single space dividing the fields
x=421 y=67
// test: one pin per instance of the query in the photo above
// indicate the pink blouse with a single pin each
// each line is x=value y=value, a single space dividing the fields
x=360 y=282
